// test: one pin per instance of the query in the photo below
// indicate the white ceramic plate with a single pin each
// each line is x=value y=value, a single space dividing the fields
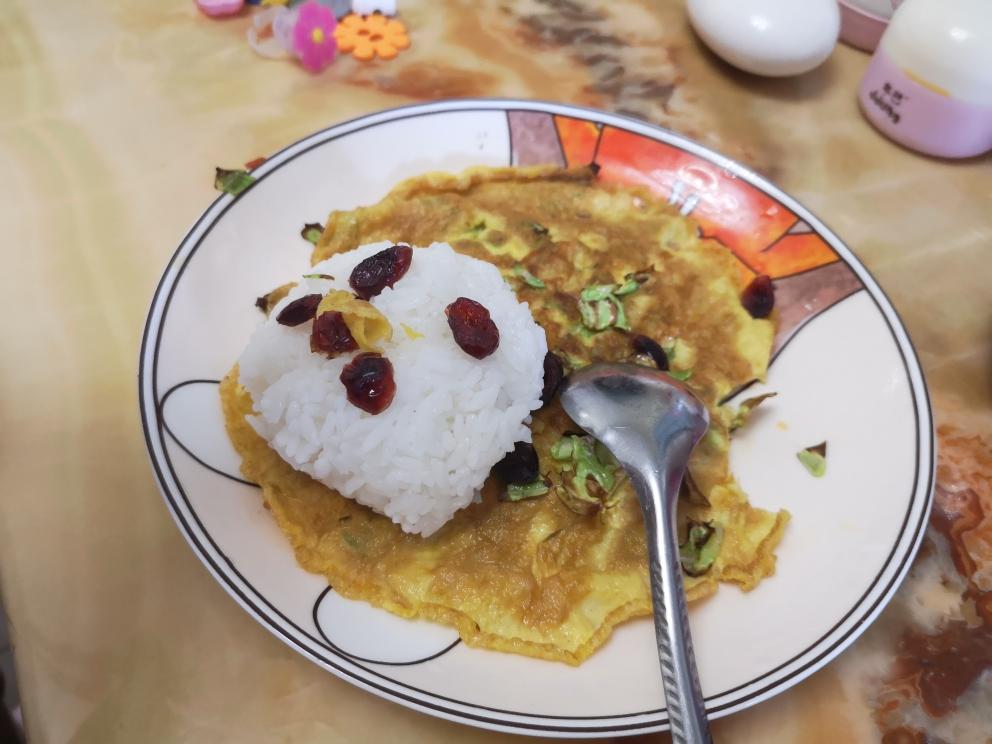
x=844 y=369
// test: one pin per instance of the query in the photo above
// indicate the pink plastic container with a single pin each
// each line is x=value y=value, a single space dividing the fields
x=929 y=83
x=859 y=27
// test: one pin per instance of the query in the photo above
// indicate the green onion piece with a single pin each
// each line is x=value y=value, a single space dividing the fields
x=588 y=465
x=311 y=232
x=701 y=548
x=632 y=282
x=621 y=322
x=745 y=408
x=680 y=374
x=529 y=279
x=591 y=482
x=628 y=287
x=597 y=292
x=562 y=449
x=587 y=312
x=232 y=182
x=814 y=459
x=606 y=315
x=478 y=227
x=522 y=491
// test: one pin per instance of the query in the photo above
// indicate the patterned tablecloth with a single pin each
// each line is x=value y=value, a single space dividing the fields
x=112 y=116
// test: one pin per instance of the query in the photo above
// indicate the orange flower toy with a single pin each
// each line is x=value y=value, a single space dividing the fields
x=366 y=37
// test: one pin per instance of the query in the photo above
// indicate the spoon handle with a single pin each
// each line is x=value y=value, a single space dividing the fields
x=686 y=710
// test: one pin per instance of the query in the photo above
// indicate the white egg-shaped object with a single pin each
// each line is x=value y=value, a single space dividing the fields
x=768 y=37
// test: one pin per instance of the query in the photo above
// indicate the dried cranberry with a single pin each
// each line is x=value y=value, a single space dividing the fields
x=650 y=347
x=368 y=378
x=299 y=311
x=554 y=373
x=758 y=297
x=518 y=466
x=382 y=270
x=473 y=329
x=330 y=334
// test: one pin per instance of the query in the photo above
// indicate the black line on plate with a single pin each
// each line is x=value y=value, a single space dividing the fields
x=350 y=655
x=595 y=149
x=813 y=268
x=509 y=135
x=779 y=238
x=726 y=247
x=839 y=643
x=561 y=145
x=160 y=411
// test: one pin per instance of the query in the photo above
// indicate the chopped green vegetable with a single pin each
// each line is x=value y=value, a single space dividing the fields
x=606 y=314
x=598 y=315
x=587 y=311
x=601 y=306
x=592 y=472
x=539 y=228
x=701 y=548
x=814 y=459
x=680 y=374
x=529 y=279
x=626 y=288
x=478 y=227
x=562 y=449
x=632 y=282
x=621 y=321
x=523 y=491
x=597 y=292
x=232 y=182
x=745 y=408
x=311 y=232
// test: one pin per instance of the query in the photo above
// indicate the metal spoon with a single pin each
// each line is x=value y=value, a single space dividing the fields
x=651 y=422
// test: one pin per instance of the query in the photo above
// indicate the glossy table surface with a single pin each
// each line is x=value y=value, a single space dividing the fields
x=112 y=118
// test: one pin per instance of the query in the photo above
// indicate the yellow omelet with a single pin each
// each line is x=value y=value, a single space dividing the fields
x=549 y=576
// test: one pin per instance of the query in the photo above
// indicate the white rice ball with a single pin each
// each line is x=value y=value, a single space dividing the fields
x=453 y=416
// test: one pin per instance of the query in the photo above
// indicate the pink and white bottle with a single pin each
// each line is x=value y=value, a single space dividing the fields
x=929 y=84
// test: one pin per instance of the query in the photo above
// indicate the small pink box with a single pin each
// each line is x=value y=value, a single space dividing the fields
x=920 y=118
x=859 y=28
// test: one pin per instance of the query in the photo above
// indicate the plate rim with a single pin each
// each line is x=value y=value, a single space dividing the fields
x=822 y=651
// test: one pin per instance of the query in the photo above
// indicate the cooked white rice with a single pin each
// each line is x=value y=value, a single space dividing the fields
x=453 y=416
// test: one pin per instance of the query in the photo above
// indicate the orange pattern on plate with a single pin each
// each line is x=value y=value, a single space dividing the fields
x=752 y=224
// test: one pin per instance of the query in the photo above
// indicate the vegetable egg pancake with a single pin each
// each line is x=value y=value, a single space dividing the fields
x=547 y=568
